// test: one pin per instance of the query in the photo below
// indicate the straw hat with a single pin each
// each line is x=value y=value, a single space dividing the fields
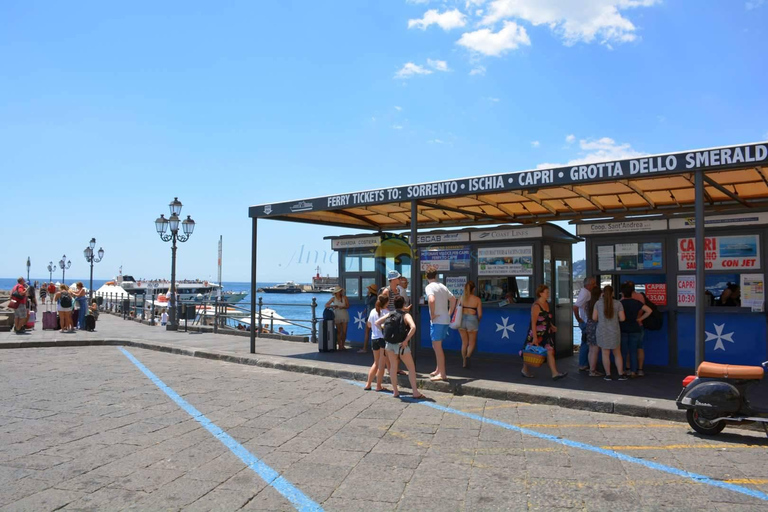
x=336 y=289
x=373 y=288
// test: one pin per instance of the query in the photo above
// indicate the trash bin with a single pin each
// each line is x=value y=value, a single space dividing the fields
x=326 y=341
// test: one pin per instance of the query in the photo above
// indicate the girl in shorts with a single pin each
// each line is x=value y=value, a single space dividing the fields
x=471 y=314
x=377 y=343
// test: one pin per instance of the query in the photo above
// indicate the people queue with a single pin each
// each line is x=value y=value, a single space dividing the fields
x=68 y=302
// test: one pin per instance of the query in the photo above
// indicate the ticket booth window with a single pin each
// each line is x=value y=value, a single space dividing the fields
x=359 y=272
x=508 y=288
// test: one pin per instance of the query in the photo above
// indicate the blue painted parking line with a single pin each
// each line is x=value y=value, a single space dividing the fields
x=701 y=479
x=299 y=500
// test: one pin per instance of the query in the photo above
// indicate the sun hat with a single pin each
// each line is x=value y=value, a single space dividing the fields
x=336 y=289
x=393 y=274
x=373 y=288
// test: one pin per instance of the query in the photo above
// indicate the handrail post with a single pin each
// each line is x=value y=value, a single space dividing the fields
x=272 y=322
x=152 y=319
x=261 y=303
x=215 y=317
x=314 y=320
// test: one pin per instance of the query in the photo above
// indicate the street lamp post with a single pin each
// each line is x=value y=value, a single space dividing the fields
x=64 y=264
x=29 y=264
x=51 y=268
x=91 y=258
x=162 y=225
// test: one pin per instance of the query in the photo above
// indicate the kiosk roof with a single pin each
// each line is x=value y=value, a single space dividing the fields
x=736 y=177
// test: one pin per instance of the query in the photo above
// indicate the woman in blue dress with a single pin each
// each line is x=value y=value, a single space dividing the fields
x=82 y=302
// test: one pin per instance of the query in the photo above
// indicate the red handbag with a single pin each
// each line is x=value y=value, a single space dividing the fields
x=14 y=304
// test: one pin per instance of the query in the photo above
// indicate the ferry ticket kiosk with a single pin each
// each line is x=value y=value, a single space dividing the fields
x=365 y=260
x=658 y=255
x=507 y=264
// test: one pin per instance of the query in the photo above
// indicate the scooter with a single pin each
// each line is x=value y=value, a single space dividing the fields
x=718 y=395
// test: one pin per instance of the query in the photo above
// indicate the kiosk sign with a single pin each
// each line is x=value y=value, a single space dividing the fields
x=505 y=261
x=657 y=293
x=721 y=253
x=445 y=259
x=686 y=291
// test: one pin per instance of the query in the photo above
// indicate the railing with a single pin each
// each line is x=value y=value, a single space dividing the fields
x=220 y=315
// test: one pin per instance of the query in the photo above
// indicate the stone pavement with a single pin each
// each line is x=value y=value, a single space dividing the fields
x=81 y=428
x=651 y=396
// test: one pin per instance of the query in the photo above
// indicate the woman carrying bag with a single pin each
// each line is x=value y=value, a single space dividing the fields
x=470 y=311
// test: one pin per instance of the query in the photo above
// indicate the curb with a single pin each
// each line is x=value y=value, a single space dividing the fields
x=568 y=399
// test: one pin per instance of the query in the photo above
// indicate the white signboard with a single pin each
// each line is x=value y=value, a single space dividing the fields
x=627 y=226
x=605 y=261
x=753 y=292
x=686 y=291
x=745 y=219
x=506 y=234
x=456 y=284
x=505 y=261
x=353 y=243
x=721 y=252
x=442 y=238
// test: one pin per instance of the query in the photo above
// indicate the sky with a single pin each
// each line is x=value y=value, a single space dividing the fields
x=108 y=111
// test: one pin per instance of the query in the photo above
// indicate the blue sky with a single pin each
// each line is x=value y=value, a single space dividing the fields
x=109 y=111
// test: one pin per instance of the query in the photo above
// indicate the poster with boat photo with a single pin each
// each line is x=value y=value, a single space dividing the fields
x=505 y=261
x=721 y=252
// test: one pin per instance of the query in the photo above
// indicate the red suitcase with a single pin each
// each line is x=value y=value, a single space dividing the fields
x=49 y=321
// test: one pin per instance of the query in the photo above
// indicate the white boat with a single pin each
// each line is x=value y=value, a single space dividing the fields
x=287 y=287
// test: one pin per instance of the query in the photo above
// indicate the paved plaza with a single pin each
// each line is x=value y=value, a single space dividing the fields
x=111 y=428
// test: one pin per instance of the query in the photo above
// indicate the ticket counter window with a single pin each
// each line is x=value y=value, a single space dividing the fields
x=497 y=289
x=359 y=272
x=359 y=263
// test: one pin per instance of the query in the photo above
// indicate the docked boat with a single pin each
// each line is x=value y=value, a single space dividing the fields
x=287 y=287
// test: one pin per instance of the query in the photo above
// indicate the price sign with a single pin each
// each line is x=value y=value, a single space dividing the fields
x=657 y=293
x=686 y=291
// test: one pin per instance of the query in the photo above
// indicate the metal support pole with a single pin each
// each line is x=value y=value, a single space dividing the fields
x=173 y=323
x=261 y=303
x=253 y=285
x=415 y=277
x=314 y=320
x=215 y=317
x=152 y=319
x=90 y=285
x=700 y=270
x=272 y=322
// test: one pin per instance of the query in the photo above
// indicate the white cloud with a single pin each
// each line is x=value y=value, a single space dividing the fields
x=438 y=65
x=570 y=139
x=492 y=99
x=535 y=143
x=410 y=69
x=397 y=127
x=436 y=141
x=398 y=108
x=574 y=20
x=447 y=20
x=495 y=43
x=754 y=4
x=417 y=1
x=600 y=150
x=373 y=119
x=478 y=70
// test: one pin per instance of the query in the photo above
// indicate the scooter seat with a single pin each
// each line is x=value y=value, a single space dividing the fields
x=730 y=371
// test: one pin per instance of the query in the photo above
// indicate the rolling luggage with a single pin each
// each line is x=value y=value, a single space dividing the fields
x=49 y=321
x=327 y=340
x=31 y=320
x=90 y=323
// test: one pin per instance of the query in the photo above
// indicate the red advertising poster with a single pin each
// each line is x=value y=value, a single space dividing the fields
x=657 y=293
x=721 y=252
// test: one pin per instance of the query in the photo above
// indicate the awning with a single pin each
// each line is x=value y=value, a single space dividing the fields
x=736 y=177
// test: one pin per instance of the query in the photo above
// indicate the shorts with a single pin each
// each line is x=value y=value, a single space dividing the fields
x=377 y=343
x=20 y=312
x=470 y=323
x=397 y=348
x=64 y=310
x=438 y=332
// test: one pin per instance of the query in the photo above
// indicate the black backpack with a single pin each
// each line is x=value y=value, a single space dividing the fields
x=655 y=320
x=66 y=300
x=395 y=329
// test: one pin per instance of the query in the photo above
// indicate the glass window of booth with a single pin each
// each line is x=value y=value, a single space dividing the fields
x=359 y=270
x=505 y=273
x=507 y=288
x=352 y=287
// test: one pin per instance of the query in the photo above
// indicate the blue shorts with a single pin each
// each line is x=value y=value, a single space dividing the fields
x=438 y=332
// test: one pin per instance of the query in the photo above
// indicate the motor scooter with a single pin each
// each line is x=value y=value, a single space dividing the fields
x=719 y=395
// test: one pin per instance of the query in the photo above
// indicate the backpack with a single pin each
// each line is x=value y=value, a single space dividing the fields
x=66 y=300
x=655 y=320
x=395 y=329
x=328 y=314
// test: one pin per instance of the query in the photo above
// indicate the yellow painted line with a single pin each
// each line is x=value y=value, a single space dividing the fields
x=685 y=446
x=504 y=406
x=751 y=481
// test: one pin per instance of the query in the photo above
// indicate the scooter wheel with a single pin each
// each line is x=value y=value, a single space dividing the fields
x=702 y=425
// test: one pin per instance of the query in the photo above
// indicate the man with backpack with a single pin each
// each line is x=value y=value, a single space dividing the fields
x=441 y=305
x=398 y=328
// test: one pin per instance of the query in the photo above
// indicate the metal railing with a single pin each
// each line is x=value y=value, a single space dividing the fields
x=217 y=314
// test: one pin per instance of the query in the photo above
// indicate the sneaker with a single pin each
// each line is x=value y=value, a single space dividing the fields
x=623 y=377
x=607 y=377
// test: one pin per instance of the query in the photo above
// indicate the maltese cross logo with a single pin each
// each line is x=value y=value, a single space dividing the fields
x=719 y=336
x=506 y=328
x=360 y=320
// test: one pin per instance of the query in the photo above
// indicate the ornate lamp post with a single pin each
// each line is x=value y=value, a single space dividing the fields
x=91 y=258
x=29 y=264
x=64 y=264
x=51 y=268
x=188 y=226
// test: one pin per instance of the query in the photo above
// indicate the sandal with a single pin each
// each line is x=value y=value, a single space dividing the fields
x=559 y=376
x=435 y=378
x=526 y=375
x=596 y=374
x=367 y=389
x=640 y=373
x=382 y=390
x=419 y=397
x=402 y=372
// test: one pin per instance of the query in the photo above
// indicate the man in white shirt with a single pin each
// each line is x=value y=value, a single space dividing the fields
x=580 y=312
x=441 y=305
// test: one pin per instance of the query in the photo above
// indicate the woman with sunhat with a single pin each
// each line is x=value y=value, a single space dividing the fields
x=370 y=305
x=340 y=306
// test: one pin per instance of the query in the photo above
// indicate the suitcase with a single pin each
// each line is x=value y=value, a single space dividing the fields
x=90 y=323
x=49 y=320
x=327 y=340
